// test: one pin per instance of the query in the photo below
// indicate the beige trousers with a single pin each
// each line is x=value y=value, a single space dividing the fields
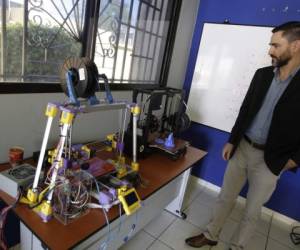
x=246 y=164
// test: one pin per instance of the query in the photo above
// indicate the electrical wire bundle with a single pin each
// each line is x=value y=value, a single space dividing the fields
x=72 y=196
x=112 y=235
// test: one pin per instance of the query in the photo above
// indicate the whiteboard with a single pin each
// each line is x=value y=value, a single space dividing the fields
x=227 y=60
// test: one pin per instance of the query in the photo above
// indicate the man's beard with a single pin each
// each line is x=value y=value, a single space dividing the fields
x=281 y=60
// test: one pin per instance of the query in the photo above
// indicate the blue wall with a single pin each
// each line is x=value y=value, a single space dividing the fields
x=246 y=12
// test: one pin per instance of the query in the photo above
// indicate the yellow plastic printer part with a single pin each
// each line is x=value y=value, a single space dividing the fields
x=129 y=199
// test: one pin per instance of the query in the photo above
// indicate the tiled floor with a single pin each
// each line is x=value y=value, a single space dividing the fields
x=169 y=232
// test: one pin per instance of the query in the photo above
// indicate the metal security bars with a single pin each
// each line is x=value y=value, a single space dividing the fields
x=38 y=36
x=129 y=40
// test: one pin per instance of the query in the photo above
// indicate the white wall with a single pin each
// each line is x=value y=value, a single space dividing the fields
x=185 y=30
x=23 y=122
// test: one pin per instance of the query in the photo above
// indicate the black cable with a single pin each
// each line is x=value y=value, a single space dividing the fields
x=295 y=237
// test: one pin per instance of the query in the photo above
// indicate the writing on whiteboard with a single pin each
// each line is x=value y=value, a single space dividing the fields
x=227 y=59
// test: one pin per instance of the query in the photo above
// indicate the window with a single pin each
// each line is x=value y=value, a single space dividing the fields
x=129 y=40
x=37 y=37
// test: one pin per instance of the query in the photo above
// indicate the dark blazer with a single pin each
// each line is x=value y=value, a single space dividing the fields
x=283 y=140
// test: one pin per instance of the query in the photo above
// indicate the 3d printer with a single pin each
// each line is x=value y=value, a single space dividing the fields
x=161 y=120
x=74 y=169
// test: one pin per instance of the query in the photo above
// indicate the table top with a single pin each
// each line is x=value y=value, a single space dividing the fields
x=157 y=169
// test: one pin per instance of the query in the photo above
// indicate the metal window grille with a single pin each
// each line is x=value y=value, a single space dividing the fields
x=38 y=36
x=127 y=40
x=131 y=39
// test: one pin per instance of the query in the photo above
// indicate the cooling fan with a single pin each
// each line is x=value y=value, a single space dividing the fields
x=22 y=172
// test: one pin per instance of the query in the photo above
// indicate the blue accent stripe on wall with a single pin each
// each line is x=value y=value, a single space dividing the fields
x=247 y=12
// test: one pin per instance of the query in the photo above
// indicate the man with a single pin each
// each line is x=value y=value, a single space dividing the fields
x=264 y=141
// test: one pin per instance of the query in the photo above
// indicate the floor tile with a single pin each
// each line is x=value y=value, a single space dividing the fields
x=193 y=189
x=263 y=224
x=258 y=242
x=172 y=231
x=207 y=197
x=221 y=246
x=274 y=245
x=198 y=214
x=176 y=234
x=158 y=245
x=159 y=224
x=280 y=232
x=141 y=240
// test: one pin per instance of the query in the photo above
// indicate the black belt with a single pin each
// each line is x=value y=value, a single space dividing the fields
x=254 y=144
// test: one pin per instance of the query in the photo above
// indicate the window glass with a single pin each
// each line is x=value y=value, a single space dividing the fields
x=36 y=36
x=129 y=38
x=39 y=36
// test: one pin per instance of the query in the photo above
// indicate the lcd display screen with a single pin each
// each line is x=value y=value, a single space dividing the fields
x=131 y=198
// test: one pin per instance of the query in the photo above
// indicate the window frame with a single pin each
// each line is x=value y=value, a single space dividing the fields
x=89 y=34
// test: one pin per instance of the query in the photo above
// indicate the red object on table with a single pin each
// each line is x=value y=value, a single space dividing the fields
x=16 y=155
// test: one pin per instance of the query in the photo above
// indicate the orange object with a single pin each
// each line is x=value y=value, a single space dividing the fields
x=16 y=156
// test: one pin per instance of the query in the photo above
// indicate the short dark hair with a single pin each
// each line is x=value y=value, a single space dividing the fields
x=290 y=30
